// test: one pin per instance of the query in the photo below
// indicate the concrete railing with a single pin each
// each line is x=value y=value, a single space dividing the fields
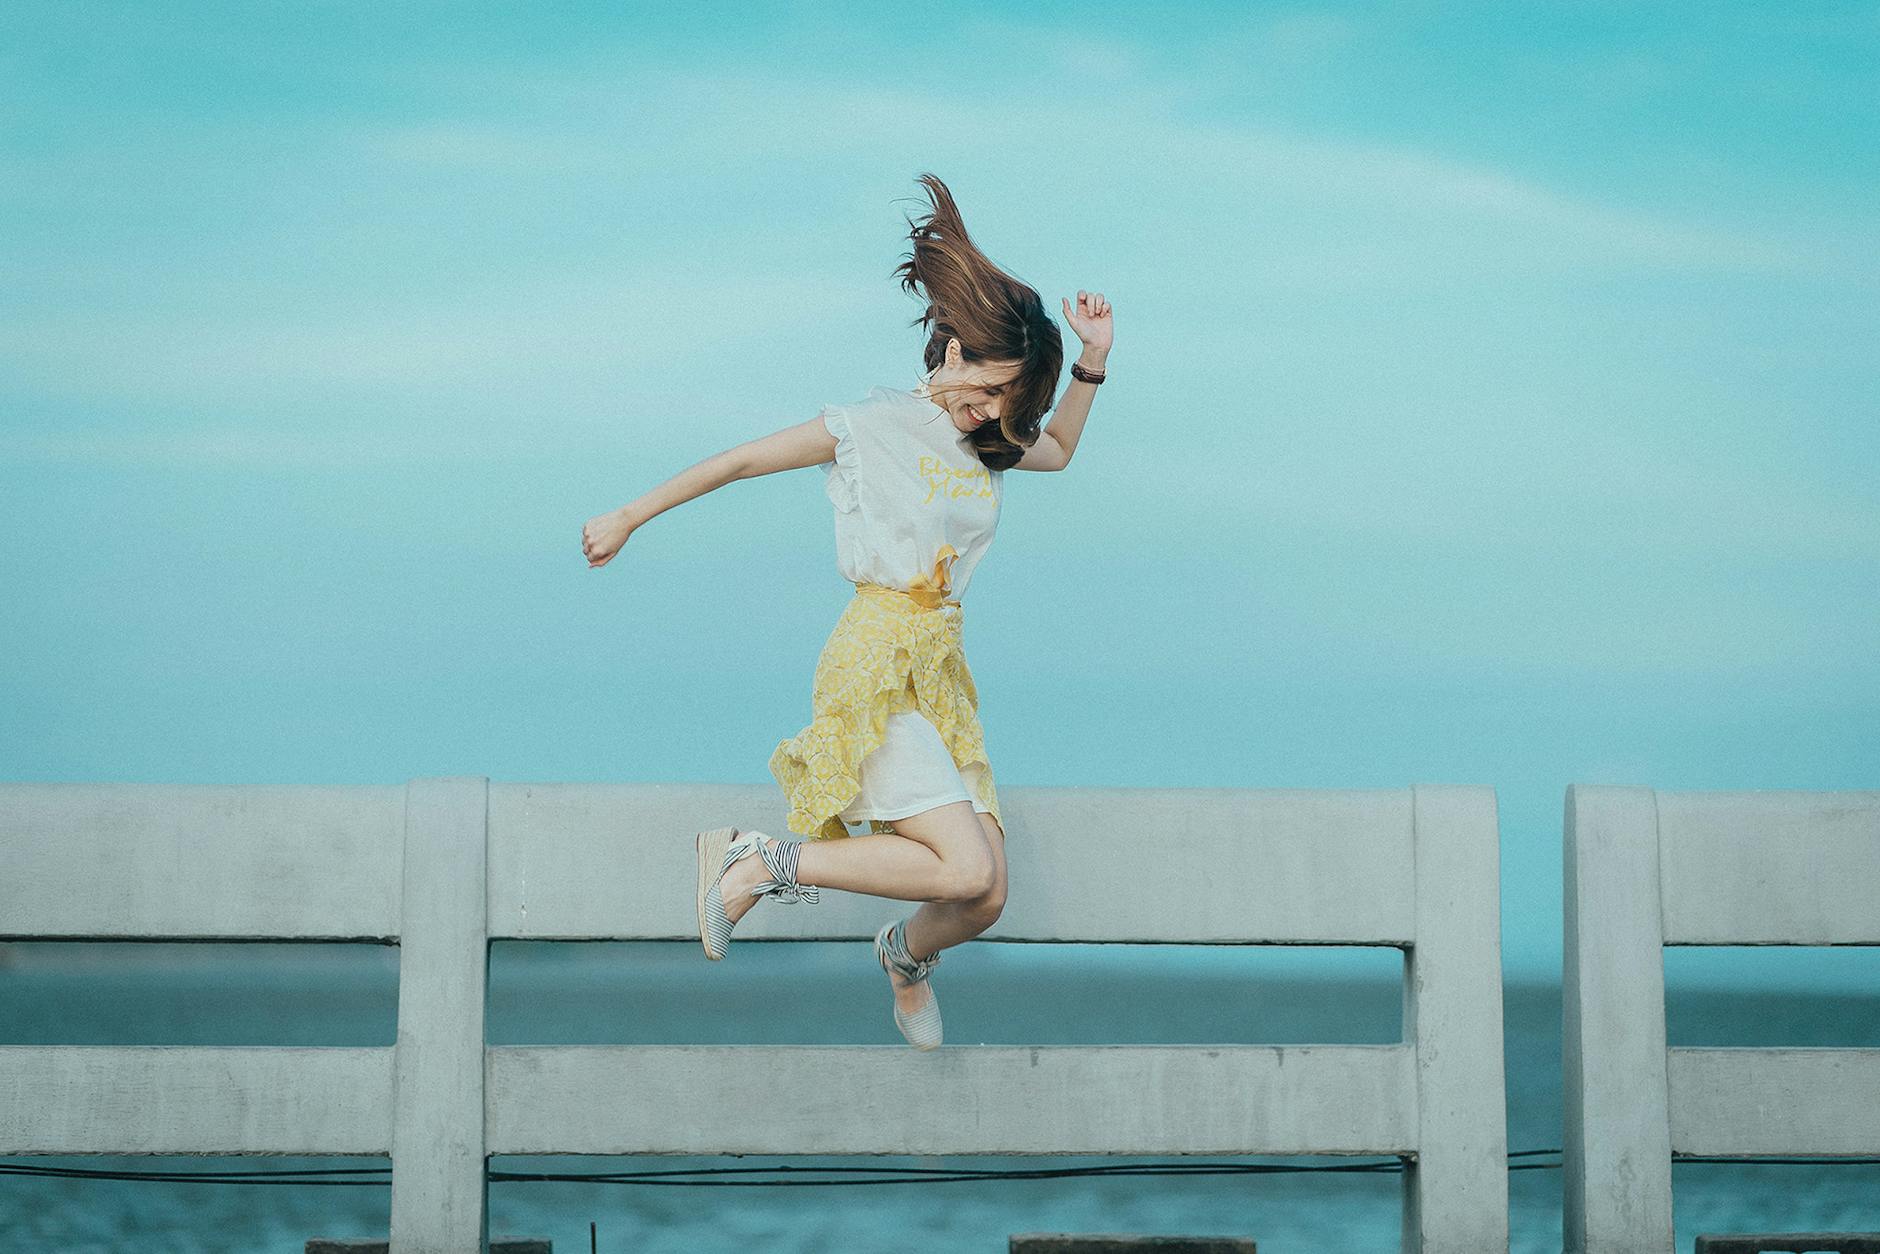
x=442 y=866
x=1647 y=869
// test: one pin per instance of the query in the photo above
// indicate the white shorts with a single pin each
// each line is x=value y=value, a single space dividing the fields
x=909 y=772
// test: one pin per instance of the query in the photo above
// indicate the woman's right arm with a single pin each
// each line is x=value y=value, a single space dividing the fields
x=805 y=444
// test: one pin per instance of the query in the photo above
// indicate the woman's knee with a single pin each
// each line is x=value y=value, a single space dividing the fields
x=987 y=906
x=984 y=907
x=971 y=877
x=967 y=866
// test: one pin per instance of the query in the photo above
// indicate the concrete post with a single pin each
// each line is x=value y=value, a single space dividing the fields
x=1617 y=1177
x=439 y=1176
x=1455 y=1198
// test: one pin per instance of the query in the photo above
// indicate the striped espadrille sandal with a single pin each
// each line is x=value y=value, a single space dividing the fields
x=921 y=1027
x=717 y=850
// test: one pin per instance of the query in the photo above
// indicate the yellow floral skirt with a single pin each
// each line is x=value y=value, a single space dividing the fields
x=889 y=653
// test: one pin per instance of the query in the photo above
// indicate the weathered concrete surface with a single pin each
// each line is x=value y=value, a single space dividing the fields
x=1617 y=1180
x=1767 y=868
x=1645 y=869
x=1456 y=1188
x=226 y=862
x=1810 y=1101
x=986 y=1099
x=1197 y=865
x=185 y=1099
x=440 y=1195
x=444 y=865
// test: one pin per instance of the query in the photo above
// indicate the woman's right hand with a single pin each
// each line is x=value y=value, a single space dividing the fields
x=603 y=535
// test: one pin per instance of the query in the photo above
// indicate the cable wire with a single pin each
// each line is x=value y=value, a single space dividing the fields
x=717 y=1177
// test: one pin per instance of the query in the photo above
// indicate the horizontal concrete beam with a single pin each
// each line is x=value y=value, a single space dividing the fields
x=167 y=861
x=1800 y=1101
x=170 y=1099
x=1770 y=867
x=977 y=1099
x=595 y=861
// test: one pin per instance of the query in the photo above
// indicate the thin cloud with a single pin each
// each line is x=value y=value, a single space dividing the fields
x=544 y=329
x=485 y=146
x=219 y=445
x=1394 y=202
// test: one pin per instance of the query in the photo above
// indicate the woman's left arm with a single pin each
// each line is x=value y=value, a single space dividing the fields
x=1094 y=326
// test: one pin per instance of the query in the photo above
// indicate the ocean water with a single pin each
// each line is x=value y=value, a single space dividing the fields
x=814 y=993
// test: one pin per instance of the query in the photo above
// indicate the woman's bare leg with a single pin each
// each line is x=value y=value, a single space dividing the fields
x=938 y=855
x=940 y=925
x=951 y=858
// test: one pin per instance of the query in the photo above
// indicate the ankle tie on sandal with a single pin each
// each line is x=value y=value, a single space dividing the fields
x=892 y=945
x=780 y=859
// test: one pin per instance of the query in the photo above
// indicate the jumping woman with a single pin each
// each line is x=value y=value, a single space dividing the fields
x=917 y=477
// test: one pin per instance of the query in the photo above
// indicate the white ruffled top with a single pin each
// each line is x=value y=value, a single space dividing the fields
x=905 y=481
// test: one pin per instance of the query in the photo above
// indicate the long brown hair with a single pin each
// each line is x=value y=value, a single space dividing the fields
x=994 y=316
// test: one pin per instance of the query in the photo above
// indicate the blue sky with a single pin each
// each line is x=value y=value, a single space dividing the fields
x=1493 y=398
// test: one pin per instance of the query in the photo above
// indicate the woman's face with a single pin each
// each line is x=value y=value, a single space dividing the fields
x=972 y=393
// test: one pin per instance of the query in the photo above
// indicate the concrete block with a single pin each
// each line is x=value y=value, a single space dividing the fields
x=498 y=1245
x=1122 y=1243
x=1789 y=1243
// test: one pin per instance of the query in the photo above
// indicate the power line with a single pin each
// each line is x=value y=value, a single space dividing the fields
x=794 y=1176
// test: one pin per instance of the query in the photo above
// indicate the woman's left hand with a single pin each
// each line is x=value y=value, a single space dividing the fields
x=1091 y=320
